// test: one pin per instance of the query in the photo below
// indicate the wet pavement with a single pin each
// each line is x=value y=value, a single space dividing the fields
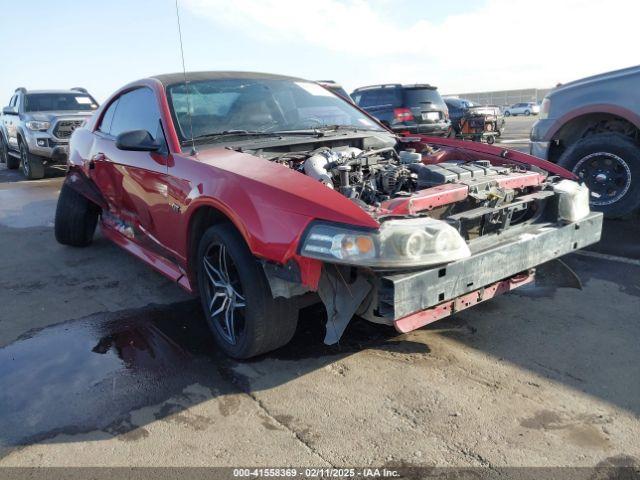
x=89 y=374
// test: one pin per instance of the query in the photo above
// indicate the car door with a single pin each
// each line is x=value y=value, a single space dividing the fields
x=134 y=183
x=10 y=122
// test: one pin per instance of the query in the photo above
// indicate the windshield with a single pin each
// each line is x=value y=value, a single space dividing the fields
x=259 y=105
x=57 y=102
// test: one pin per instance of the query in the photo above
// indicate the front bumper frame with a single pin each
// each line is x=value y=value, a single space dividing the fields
x=56 y=150
x=404 y=294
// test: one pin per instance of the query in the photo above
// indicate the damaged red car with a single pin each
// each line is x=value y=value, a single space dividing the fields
x=264 y=193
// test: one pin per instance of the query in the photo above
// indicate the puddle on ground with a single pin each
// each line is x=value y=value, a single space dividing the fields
x=84 y=374
x=89 y=374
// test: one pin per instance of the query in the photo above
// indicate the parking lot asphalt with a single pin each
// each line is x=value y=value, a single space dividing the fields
x=105 y=362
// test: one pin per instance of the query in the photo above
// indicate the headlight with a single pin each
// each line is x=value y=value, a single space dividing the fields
x=573 y=200
x=38 y=126
x=398 y=243
x=544 y=108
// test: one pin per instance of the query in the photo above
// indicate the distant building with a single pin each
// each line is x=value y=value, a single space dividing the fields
x=504 y=97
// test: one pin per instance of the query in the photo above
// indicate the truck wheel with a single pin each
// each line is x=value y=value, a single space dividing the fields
x=32 y=166
x=242 y=314
x=76 y=218
x=11 y=162
x=607 y=163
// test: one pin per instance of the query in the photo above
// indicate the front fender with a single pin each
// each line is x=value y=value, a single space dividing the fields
x=270 y=233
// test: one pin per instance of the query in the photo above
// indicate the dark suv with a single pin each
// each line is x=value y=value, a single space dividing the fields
x=406 y=108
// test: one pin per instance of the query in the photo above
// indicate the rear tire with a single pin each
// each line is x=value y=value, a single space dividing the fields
x=3 y=150
x=76 y=218
x=507 y=113
x=11 y=162
x=236 y=298
x=609 y=164
x=32 y=166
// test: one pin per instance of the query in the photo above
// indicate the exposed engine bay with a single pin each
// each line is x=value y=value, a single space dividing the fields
x=445 y=214
x=368 y=176
x=390 y=182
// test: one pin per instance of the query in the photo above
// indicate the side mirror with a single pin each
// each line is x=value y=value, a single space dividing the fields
x=137 y=141
x=9 y=111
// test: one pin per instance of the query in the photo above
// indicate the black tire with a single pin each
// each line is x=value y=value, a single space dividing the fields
x=4 y=153
x=507 y=113
x=614 y=158
x=259 y=322
x=527 y=113
x=76 y=218
x=11 y=162
x=491 y=139
x=32 y=166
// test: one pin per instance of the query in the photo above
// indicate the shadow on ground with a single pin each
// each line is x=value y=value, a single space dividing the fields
x=89 y=374
x=585 y=339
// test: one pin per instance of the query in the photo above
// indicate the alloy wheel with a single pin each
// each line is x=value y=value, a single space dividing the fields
x=607 y=175
x=24 y=161
x=225 y=299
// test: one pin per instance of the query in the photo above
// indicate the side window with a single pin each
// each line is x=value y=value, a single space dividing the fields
x=107 y=118
x=12 y=101
x=137 y=110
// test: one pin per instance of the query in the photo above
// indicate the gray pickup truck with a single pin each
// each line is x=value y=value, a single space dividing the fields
x=36 y=126
x=592 y=127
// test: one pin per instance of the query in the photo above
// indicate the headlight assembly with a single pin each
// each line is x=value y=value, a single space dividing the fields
x=38 y=126
x=398 y=243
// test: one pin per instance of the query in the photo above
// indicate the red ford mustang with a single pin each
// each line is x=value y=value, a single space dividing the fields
x=264 y=193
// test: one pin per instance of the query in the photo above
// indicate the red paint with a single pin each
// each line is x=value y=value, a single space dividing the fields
x=427 y=199
x=430 y=315
x=271 y=206
x=520 y=180
x=481 y=151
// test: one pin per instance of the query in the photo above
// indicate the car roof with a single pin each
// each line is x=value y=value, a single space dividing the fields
x=75 y=92
x=175 y=78
x=396 y=85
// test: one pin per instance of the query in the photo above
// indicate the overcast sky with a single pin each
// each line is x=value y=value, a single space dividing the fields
x=460 y=46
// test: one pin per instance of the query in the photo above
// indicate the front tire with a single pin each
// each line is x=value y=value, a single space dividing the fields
x=527 y=113
x=76 y=218
x=32 y=166
x=609 y=164
x=242 y=314
x=507 y=113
